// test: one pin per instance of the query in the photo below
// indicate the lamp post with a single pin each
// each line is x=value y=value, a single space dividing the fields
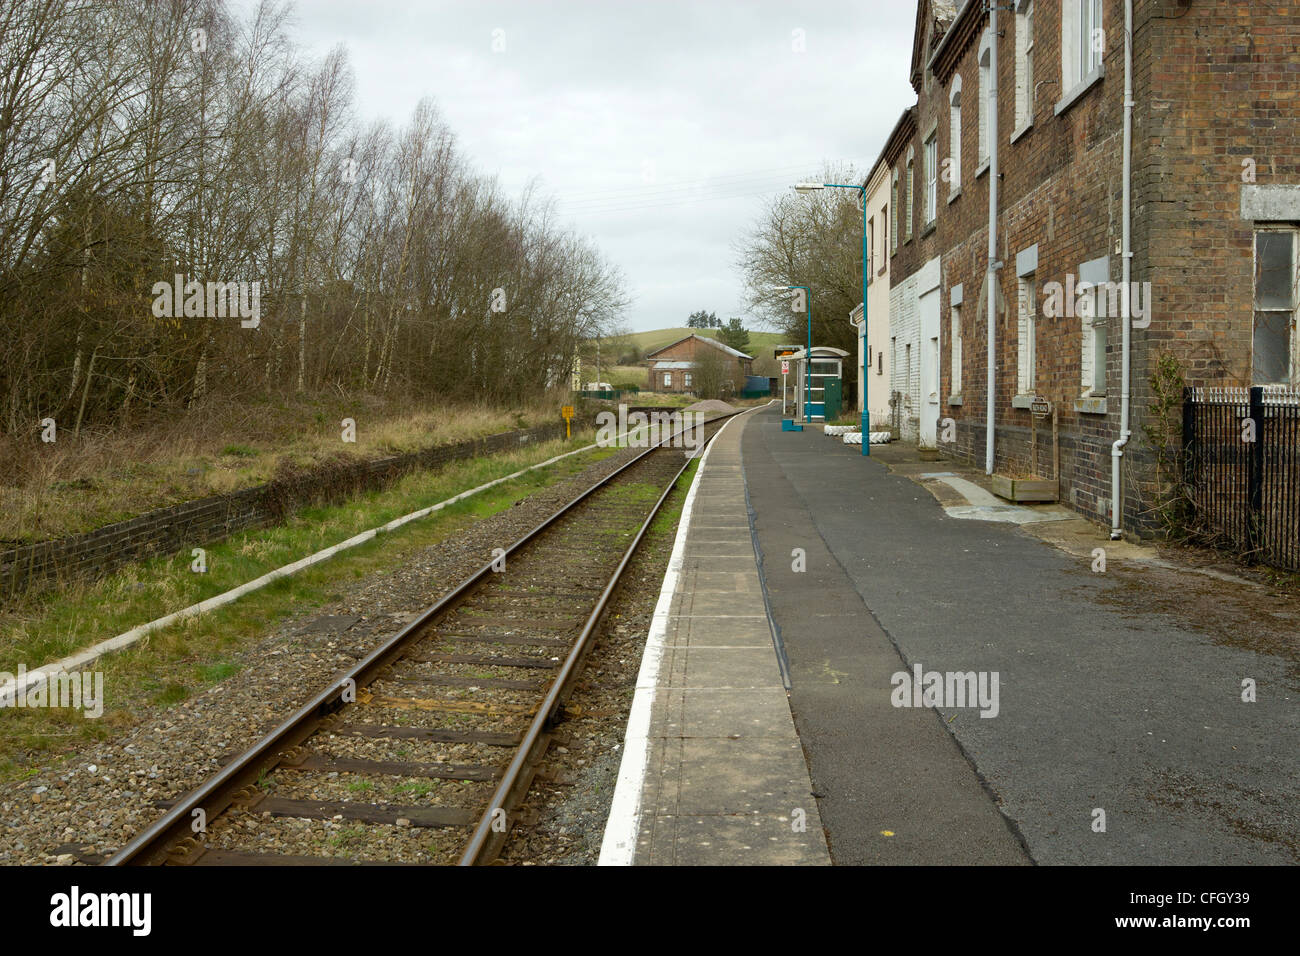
x=807 y=377
x=806 y=188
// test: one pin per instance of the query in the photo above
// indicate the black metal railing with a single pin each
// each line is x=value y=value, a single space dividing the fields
x=1242 y=470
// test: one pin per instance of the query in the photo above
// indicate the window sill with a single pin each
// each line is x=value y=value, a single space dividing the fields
x=1023 y=401
x=1023 y=130
x=954 y=399
x=882 y=269
x=1090 y=405
x=929 y=228
x=953 y=197
x=1072 y=97
x=983 y=168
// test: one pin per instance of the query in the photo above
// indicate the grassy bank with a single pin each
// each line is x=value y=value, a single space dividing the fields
x=170 y=665
x=78 y=484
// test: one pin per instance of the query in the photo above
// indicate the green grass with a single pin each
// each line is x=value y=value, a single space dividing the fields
x=420 y=788
x=240 y=451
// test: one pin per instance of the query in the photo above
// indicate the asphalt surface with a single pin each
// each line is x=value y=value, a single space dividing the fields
x=1124 y=713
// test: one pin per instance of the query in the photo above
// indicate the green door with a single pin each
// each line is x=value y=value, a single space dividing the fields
x=834 y=386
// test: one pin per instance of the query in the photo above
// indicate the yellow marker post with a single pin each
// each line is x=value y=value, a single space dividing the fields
x=566 y=411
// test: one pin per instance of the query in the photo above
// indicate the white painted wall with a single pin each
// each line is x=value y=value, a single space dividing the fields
x=906 y=344
x=878 y=300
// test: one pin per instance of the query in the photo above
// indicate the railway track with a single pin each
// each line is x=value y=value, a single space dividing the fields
x=440 y=728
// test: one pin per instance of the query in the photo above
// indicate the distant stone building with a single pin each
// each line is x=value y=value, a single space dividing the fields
x=672 y=368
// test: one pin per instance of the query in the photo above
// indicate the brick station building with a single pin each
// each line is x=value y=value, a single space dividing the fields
x=1215 y=213
x=672 y=368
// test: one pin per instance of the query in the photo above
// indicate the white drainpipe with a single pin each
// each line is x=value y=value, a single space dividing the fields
x=993 y=234
x=1126 y=293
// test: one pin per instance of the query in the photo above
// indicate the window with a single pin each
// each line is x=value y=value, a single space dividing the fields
x=986 y=51
x=686 y=380
x=1025 y=64
x=907 y=371
x=1275 y=306
x=907 y=208
x=880 y=363
x=884 y=218
x=893 y=223
x=1092 y=37
x=954 y=137
x=1083 y=42
x=954 y=342
x=931 y=177
x=871 y=250
x=1027 y=359
x=1092 y=360
x=668 y=379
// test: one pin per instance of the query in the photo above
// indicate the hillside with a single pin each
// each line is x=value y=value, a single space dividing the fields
x=760 y=343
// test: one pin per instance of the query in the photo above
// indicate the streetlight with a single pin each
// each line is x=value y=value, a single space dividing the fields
x=807 y=376
x=805 y=189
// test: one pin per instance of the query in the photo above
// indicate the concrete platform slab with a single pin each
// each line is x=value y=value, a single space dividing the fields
x=713 y=772
x=753 y=839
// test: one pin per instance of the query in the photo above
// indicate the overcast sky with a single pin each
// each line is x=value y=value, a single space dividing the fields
x=658 y=126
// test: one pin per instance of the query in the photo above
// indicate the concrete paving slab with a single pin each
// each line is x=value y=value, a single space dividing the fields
x=719 y=632
x=773 y=839
x=732 y=666
x=715 y=602
x=734 y=563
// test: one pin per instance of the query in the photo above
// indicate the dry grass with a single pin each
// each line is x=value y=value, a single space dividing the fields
x=78 y=484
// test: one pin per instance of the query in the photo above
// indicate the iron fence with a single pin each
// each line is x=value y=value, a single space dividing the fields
x=1242 y=470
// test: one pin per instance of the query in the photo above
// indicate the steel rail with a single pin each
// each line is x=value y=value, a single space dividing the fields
x=152 y=845
x=487 y=839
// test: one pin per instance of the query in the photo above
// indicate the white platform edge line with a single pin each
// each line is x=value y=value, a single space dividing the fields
x=618 y=847
x=11 y=688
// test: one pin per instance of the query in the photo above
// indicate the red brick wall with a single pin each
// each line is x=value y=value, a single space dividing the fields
x=684 y=351
x=1213 y=83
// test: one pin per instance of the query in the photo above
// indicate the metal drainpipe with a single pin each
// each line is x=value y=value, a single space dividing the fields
x=993 y=235
x=1117 y=449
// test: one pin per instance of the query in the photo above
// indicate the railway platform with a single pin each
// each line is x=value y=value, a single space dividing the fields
x=713 y=771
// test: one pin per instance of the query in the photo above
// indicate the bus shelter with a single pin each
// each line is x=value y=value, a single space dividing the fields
x=819 y=383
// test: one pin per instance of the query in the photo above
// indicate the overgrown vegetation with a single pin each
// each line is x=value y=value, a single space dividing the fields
x=215 y=447
x=1166 y=493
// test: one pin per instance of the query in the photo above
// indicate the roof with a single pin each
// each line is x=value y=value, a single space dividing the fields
x=663 y=365
x=821 y=351
x=901 y=133
x=703 y=338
